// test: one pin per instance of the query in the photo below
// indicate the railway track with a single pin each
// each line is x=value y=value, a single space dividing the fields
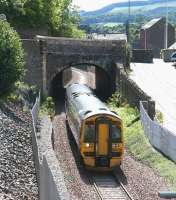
x=109 y=187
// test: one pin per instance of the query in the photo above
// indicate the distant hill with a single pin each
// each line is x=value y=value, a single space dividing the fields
x=118 y=12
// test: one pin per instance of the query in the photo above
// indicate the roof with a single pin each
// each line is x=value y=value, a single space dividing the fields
x=113 y=36
x=86 y=103
x=151 y=23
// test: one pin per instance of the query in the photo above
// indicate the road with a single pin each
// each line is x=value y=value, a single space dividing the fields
x=158 y=80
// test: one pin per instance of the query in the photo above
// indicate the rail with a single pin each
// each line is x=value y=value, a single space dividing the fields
x=108 y=186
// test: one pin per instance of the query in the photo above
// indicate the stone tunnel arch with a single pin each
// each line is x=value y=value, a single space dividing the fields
x=56 y=53
x=104 y=83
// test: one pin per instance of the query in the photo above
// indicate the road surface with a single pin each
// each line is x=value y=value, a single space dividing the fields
x=158 y=80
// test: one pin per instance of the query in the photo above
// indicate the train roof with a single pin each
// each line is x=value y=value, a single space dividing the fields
x=86 y=103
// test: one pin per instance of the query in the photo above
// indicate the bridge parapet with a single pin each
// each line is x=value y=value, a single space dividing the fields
x=113 y=48
x=57 y=54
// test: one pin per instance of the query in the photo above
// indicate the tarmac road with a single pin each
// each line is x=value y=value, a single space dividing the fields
x=158 y=80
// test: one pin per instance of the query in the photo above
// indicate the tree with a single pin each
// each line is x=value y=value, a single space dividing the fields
x=11 y=58
x=57 y=16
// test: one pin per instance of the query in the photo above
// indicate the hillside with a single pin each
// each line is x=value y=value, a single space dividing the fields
x=118 y=12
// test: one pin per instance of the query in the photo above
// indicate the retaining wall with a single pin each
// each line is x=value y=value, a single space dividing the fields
x=132 y=93
x=159 y=137
x=142 y=55
x=50 y=179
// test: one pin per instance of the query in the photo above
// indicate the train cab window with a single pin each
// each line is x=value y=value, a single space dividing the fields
x=89 y=133
x=115 y=133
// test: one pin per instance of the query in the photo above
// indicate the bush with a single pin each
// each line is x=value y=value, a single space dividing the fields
x=11 y=58
x=48 y=107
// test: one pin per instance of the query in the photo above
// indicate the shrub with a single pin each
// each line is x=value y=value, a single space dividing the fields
x=11 y=58
x=48 y=107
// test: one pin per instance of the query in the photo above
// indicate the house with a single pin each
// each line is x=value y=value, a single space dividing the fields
x=153 y=35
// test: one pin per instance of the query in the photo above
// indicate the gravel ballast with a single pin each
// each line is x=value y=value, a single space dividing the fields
x=75 y=176
x=17 y=170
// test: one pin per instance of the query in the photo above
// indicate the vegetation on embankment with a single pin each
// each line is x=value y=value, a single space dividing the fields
x=48 y=107
x=138 y=145
x=11 y=58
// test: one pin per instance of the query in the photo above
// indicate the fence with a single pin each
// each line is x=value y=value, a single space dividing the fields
x=49 y=176
x=159 y=137
x=34 y=113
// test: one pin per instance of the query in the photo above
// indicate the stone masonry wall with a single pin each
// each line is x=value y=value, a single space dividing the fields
x=33 y=62
x=132 y=93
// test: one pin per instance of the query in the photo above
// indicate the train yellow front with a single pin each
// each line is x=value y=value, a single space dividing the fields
x=98 y=131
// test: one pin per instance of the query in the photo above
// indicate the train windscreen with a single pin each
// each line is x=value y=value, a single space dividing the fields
x=116 y=136
x=89 y=134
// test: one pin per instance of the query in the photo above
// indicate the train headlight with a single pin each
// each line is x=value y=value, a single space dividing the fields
x=115 y=146
x=87 y=145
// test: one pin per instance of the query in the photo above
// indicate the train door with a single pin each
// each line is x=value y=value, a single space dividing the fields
x=102 y=142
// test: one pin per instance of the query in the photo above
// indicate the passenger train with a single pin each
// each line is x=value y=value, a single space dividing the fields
x=98 y=131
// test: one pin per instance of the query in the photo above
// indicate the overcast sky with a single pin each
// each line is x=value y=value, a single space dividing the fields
x=89 y=5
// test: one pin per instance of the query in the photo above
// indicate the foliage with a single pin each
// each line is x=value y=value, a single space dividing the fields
x=48 y=107
x=103 y=28
x=23 y=94
x=159 y=116
x=57 y=16
x=115 y=100
x=138 y=145
x=11 y=58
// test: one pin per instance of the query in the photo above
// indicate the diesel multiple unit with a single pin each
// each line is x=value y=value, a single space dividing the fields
x=98 y=131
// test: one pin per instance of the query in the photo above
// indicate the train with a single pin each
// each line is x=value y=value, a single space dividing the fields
x=97 y=130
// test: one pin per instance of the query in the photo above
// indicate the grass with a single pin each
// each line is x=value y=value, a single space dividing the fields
x=139 y=147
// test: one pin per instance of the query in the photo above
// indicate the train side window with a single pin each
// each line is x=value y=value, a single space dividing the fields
x=89 y=133
x=115 y=133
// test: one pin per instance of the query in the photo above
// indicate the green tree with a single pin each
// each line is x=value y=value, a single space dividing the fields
x=58 y=16
x=11 y=58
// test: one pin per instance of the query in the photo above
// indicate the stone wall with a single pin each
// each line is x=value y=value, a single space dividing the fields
x=33 y=62
x=142 y=56
x=132 y=93
x=49 y=175
x=48 y=56
x=61 y=53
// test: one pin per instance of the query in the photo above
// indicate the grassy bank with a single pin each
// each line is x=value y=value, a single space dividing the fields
x=138 y=145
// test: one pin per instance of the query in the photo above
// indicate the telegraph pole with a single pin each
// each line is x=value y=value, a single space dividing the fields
x=166 y=27
x=128 y=22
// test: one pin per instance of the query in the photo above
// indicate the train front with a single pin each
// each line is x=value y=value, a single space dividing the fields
x=102 y=145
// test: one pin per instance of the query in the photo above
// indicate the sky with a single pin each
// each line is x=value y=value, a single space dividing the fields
x=90 y=5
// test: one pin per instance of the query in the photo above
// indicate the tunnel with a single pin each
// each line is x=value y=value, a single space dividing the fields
x=57 y=90
x=97 y=79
